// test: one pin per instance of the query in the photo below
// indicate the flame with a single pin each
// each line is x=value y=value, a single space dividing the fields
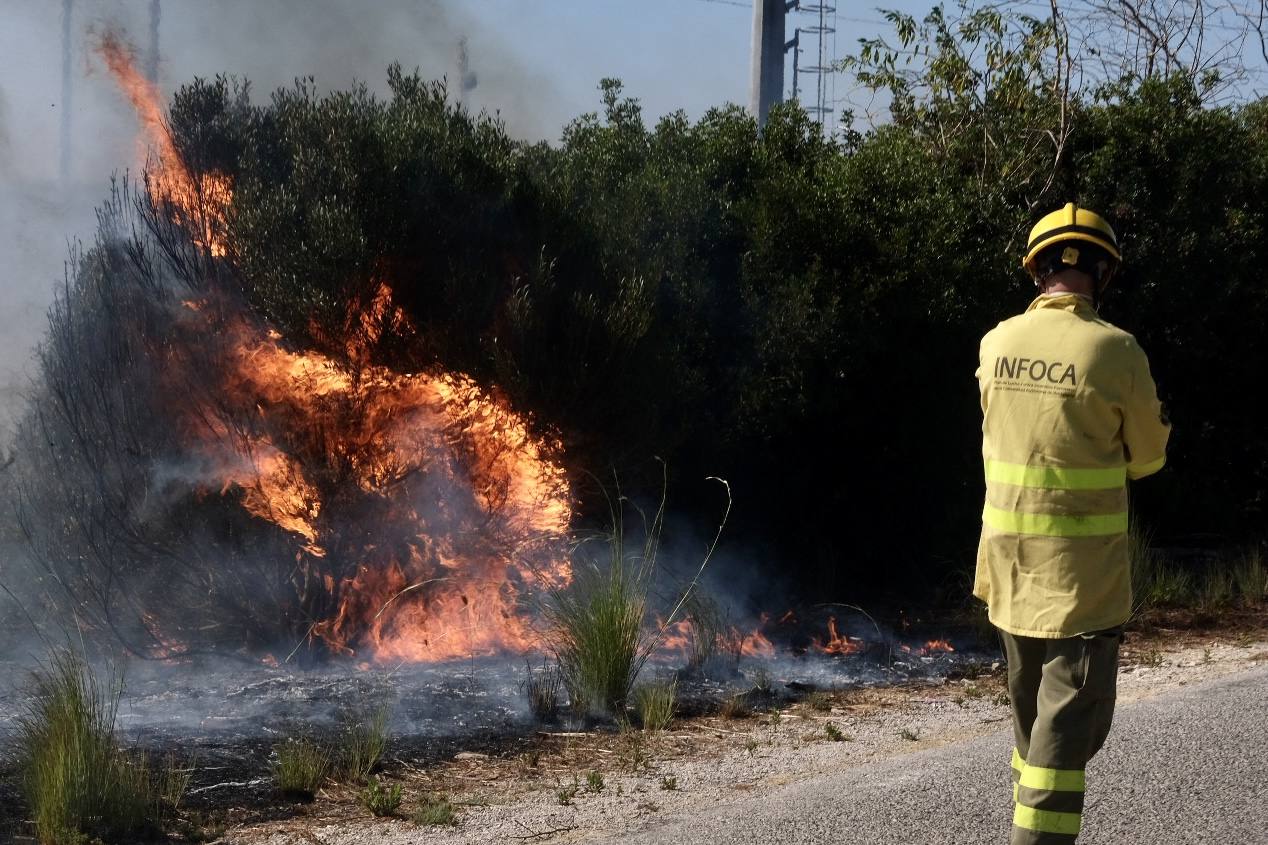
x=423 y=508
x=200 y=200
x=838 y=644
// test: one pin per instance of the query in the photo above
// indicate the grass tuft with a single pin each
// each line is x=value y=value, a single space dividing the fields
x=656 y=704
x=363 y=742
x=300 y=769
x=735 y=707
x=78 y=784
x=541 y=687
x=1251 y=577
x=381 y=800
x=434 y=811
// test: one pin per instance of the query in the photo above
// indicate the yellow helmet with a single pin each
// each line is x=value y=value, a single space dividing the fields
x=1070 y=224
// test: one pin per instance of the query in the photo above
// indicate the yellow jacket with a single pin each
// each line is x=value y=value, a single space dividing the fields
x=1069 y=413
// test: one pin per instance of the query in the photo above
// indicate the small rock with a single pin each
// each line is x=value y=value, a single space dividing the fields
x=470 y=755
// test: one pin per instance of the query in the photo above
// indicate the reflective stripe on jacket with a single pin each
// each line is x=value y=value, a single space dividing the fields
x=1070 y=412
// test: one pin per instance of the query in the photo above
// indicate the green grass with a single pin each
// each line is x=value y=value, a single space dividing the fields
x=381 y=800
x=597 y=622
x=594 y=782
x=300 y=769
x=363 y=741
x=656 y=704
x=434 y=811
x=1251 y=577
x=78 y=784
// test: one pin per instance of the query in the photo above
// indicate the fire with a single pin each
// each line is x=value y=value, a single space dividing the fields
x=200 y=201
x=838 y=644
x=423 y=508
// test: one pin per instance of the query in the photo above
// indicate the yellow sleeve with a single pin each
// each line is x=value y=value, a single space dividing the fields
x=1145 y=424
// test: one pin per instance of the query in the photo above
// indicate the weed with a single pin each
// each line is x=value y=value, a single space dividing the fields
x=435 y=810
x=669 y=783
x=1001 y=700
x=364 y=740
x=973 y=691
x=634 y=755
x=594 y=782
x=655 y=704
x=834 y=733
x=300 y=769
x=381 y=800
x=565 y=794
x=735 y=707
x=78 y=785
x=762 y=683
x=1152 y=657
x=750 y=747
x=909 y=735
x=542 y=689
x=819 y=701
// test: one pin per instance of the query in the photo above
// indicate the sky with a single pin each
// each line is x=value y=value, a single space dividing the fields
x=537 y=64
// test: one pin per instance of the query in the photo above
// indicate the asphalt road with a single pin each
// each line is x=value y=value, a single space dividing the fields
x=1183 y=768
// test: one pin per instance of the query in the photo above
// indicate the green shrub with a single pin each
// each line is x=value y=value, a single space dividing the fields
x=300 y=769
x=77 y=782
x=655 y=704
x=381 y=800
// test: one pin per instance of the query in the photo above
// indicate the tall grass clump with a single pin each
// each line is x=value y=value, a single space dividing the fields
x=363 y=742
x=300 y=769
x=1251 y=576
x=541 y=687
x=598 y=622
x=78 y=784
x=598 y=628
x=707 y=626
x=656 y=704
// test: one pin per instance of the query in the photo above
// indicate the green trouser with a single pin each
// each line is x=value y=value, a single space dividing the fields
x=1062 y=693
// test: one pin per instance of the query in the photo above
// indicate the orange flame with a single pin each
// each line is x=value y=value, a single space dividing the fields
x=462 y=510
x=201 y=200
x=838 y=644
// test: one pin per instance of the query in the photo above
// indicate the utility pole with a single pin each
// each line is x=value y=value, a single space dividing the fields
x=767 y=83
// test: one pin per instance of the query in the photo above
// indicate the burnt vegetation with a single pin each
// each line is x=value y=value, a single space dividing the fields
x=797 y=314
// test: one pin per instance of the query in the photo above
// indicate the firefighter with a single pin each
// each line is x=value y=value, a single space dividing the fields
x=1070 y=413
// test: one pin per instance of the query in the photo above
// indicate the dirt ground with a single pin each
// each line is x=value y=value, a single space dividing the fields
x=571 y=786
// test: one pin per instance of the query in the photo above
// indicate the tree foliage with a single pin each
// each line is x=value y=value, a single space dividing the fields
x=798 y=314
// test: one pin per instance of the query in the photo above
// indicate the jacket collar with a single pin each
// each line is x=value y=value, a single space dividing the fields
x=1071 y=302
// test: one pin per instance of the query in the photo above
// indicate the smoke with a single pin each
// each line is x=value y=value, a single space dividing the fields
x=49 y=186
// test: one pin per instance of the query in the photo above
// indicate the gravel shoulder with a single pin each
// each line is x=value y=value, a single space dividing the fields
x=704 y=766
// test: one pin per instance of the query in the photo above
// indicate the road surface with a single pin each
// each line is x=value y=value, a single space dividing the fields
x=1187 y=767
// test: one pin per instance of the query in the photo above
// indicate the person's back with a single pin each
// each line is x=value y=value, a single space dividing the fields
x=1069 y=414
x=1063 y=393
